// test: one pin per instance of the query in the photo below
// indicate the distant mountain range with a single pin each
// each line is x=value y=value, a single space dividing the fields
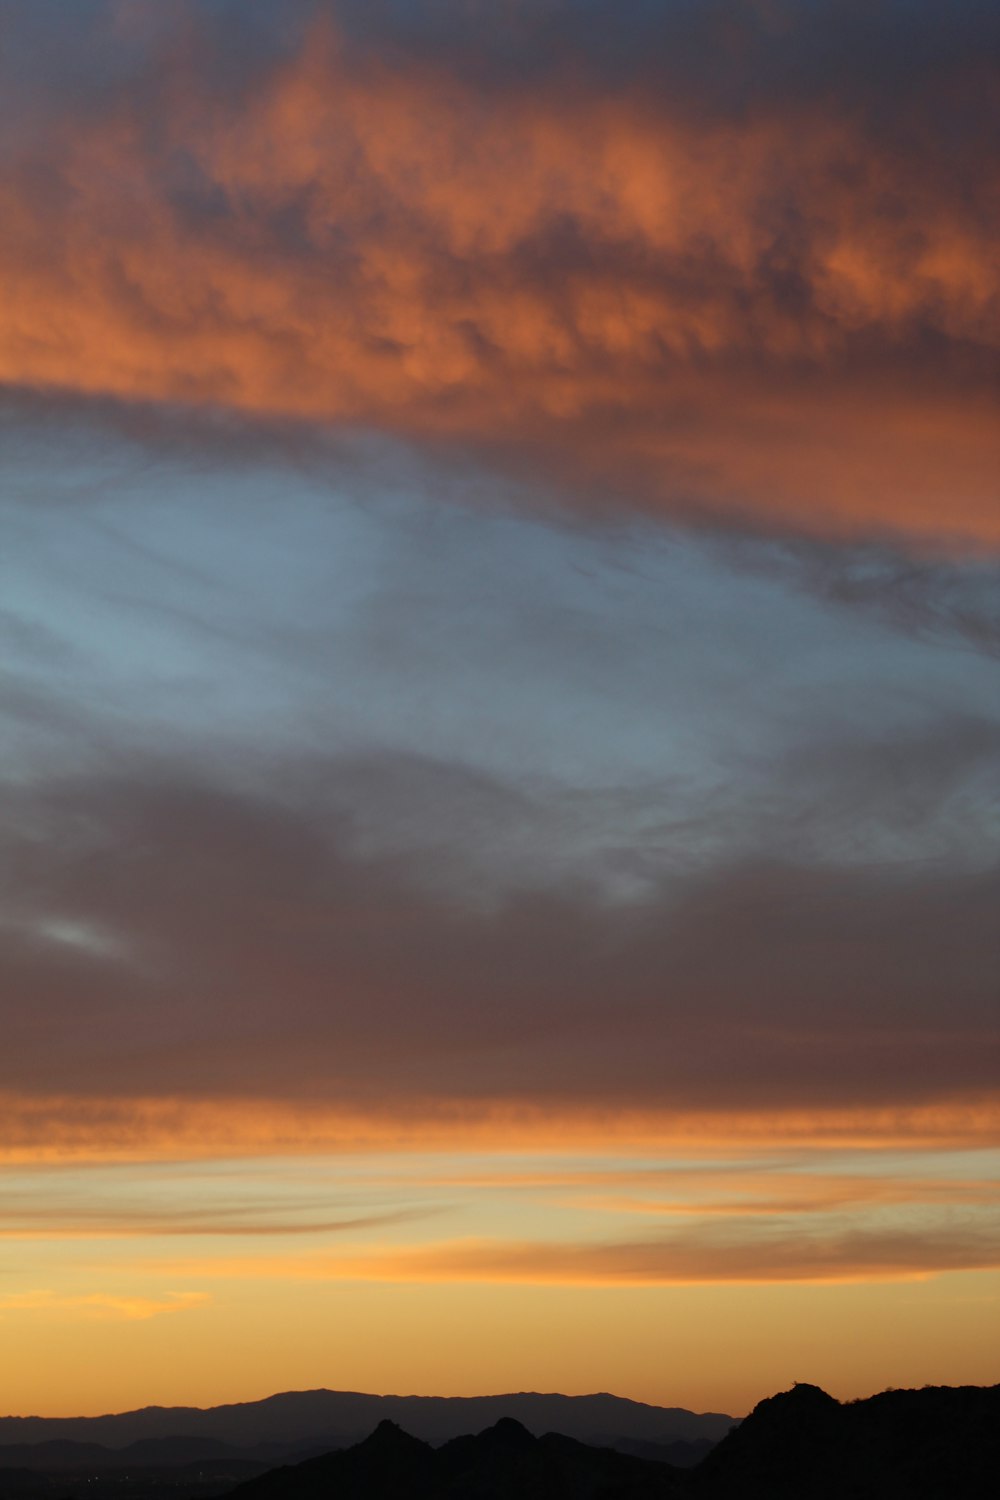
x=190 y=1453
x=939 y=1443
x=336 y=1419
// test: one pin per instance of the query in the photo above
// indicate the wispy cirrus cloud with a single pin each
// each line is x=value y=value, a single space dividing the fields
x=753 y=1251
x=745 y=1258
x=101 y=1304
x=64 y=1222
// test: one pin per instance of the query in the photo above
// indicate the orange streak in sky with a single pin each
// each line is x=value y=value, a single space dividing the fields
x=696 y=1259
x=39 y=1129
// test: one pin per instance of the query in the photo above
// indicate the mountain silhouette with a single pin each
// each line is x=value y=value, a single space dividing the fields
x=57 y=1454
x=939 y=1443
x=505 y=1462
x=324 y=1419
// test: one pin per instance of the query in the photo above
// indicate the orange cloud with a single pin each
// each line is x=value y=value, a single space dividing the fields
x=852 y=1257
x=782 y=317
x=40 y=1129
x=752 y=1253
x=102 y=1304
x=783 y=1194
x=67 y=1224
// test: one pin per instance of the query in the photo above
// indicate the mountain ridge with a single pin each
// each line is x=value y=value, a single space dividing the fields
x=504 y=1462
x=800 y=1444
x=343 y=1417
x=931 y=1443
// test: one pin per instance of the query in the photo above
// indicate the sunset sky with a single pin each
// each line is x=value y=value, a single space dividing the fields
x=499 y=698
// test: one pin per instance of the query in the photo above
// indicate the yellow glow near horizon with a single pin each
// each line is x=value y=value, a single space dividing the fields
x=703 y=1278
x=705 y=1348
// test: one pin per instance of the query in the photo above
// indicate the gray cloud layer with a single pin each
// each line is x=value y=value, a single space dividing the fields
x=321 y=786
x=224 y=943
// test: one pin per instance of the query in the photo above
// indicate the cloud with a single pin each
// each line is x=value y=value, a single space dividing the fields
x=635 y=270
x=749 y=1252
x=101 y=1304
x=279 y=962
x=783 y=1193
x=61 y=1222
x=49 y=1130
x=422 y=673
x=697 y=1259
x=929 y=599
x=498 y=644
x=377 y=814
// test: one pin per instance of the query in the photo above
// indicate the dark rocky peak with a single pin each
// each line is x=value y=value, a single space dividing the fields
x=805 y=1410
x=389 y=1437
x=509 y=1434
x=802 y=1392
x=934 y=1444
x=801 y=1400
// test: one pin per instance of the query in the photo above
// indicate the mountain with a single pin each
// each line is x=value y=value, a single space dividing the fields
x=939 y=1443
x=62 y=1454
x=505 y=1462
x=333 y=1419
x=681 y=1454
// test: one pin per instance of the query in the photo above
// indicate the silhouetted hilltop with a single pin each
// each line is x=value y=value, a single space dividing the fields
x=939 y=1443
x=389 y=1463
x=505 y=1462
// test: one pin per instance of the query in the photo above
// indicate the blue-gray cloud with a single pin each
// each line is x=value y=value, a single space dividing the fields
x=340 y=790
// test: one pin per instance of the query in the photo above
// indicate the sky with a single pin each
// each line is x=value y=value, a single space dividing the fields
x=499 y=633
